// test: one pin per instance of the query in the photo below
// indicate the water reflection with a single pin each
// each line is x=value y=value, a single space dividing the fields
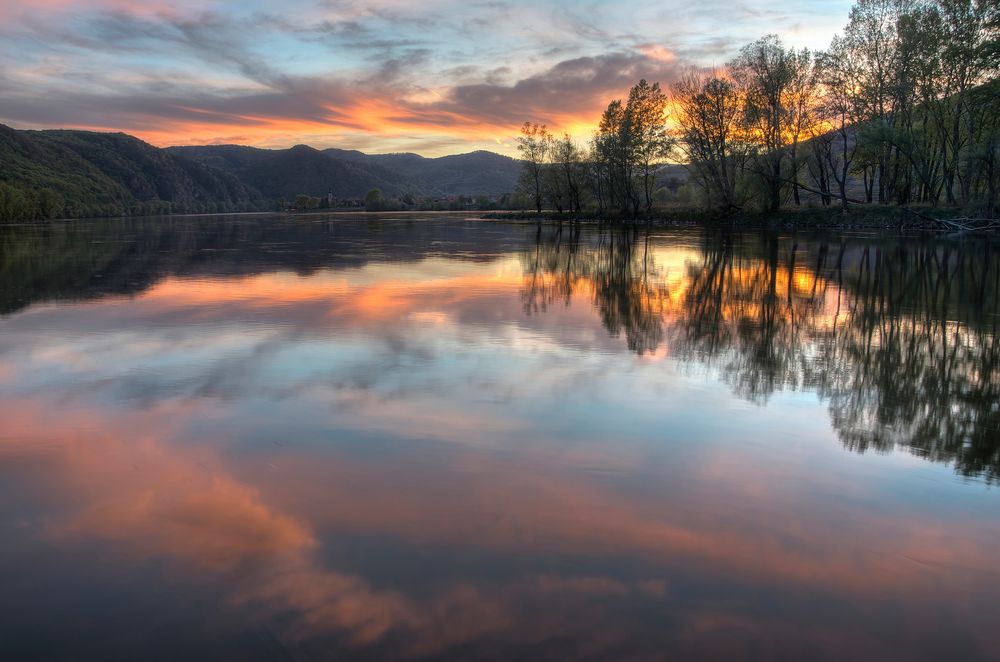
x=272 y=438
x=898 y=336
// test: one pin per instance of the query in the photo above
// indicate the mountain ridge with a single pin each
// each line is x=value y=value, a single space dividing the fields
x=60 y=172
x=479 y=172
x=73 y=173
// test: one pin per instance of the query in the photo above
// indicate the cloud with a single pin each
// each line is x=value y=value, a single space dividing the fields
x=568 y=95
x=439 y=73
x=657 y=52
x=570 y=90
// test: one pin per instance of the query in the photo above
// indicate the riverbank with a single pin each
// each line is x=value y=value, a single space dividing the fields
x=882 y=217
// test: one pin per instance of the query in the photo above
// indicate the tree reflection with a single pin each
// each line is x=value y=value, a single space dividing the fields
x=745 y=310
x=916 y=362
x=898 y=336
x=614 y=268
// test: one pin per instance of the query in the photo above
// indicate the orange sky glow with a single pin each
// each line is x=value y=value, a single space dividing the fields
x=435 y=78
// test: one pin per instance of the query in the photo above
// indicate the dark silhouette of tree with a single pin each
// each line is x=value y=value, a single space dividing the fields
x=533 y=146
x=902 y=105
x=768 y=76
x=710 y=135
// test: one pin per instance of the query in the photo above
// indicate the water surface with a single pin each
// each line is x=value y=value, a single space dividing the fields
x=270 y=438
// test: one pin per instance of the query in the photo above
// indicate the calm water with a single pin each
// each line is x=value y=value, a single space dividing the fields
x=264 y=438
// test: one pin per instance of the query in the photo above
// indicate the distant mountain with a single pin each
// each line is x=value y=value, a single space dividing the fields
x=302 y=169
x=44 y=174
x=475 y=173
x=62 y=173
x=351 y=174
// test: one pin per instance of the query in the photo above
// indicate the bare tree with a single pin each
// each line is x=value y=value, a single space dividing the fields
x=840 y=107
x=646 y=112
x=801 y=107
x=768 y=74
x=533 y=145
x=567 y=160
x=903 y=102
x=709 y=133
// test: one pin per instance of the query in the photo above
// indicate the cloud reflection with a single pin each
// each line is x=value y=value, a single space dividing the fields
x=394 y=460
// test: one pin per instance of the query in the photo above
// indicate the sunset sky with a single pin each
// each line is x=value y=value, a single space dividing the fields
x=434 y=77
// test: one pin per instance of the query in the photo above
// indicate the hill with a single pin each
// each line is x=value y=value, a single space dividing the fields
x=302 y=169
x=475 y=173
x=63 y=173
x=46 y=174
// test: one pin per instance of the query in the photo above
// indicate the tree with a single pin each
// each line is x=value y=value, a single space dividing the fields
x=801 y=105
x=303 y=201
x=14 y=204
x=646 y=117
x=841 y=108
x=596 y=174
x=615 y=145
x=870 y=38
x=50 y=203
x=769 y=77
x=566 y=160
x=374 y=200
x=632 y=138
x=555 y=188
x=709 y=134
x=970 y=57
x=904 y=100
x=533 y=145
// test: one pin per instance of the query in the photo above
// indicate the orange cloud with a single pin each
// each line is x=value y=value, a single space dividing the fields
x=657 y=52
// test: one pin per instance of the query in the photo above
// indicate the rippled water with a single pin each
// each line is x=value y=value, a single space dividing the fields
x=266 y=438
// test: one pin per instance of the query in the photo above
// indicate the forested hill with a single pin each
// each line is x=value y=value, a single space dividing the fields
x=475 y=173
x=351 y=174
x=62 y=173
x=58 y=173
x=285 y=173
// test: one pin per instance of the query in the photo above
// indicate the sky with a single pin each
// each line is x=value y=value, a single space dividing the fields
x=433 y=76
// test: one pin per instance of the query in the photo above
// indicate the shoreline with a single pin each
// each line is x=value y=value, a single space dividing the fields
x=875 y=217
x=937 y=221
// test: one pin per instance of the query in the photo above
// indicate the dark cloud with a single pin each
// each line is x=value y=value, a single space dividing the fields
x=354 y=65
x=576 y=87
x=150 y=105
x=572 y=86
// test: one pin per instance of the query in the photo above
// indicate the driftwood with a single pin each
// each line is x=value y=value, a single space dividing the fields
x=963 y=224
x=829 y=194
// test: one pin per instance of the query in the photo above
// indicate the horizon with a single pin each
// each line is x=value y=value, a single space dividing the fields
x=381 y=78
x=323 y=149
x=319 y=149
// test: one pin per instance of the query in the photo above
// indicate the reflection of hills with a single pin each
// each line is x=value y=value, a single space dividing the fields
x=85 y=260
x=898 y=336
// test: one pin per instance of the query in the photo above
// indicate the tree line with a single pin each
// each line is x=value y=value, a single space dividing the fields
x=902 y=108
x=20 y=202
